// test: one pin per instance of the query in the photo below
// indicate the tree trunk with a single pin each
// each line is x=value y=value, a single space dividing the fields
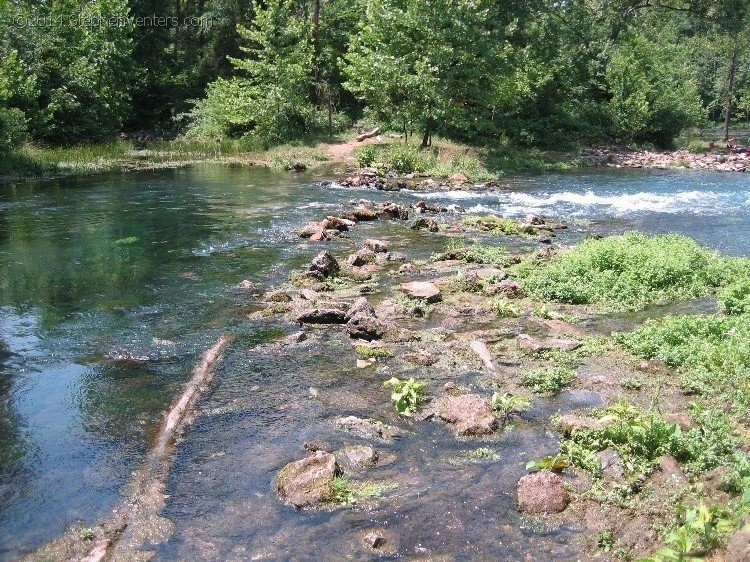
x=315 y=20
x=427 y=132
x=730 y=88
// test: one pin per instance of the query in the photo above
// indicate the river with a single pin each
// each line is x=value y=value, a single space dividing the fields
x=111 y=287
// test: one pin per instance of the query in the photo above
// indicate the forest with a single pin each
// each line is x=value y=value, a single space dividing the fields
x=539 y=73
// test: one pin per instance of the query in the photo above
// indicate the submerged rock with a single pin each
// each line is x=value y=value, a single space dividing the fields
x=368 y=429
x=321 y=316
x=308 y=482
x=533 y=345
x=358 y=457
x=361 y=257
x=542 y=492
x=429 y=224
x=422 y=290
x=323 y=265
x=277 y=295
x=470 y=414
x=377 y=246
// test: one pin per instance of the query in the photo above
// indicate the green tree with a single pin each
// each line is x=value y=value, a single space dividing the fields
x=270 y=97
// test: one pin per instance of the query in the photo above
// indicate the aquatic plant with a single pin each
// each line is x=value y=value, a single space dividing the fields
x=504 y=307
x=375 y=352
x=508 y=404
x=630 y=271
x=492 y=224
x=406 y=395
x=548 y=380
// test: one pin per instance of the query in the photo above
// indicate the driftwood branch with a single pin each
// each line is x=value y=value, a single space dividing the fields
x=368 y=134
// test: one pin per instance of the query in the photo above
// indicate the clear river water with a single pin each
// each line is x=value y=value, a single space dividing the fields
x=111 y=287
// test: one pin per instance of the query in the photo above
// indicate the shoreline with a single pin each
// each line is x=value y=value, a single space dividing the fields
x=300 y=158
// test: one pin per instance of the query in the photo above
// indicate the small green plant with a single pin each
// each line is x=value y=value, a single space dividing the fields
x=494 y=225
x=631 y=383
x=366 y=156
x=605 y=540
x=406 y=395
x=735 y=298
x=87 y=534
x=507 y=404
x=490 y=255
x=342 y=492
x=548 y=380
x=376 y=352
x=556 y=463
x=504 y=307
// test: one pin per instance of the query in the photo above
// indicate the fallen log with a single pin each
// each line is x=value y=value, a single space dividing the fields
x=369 y=134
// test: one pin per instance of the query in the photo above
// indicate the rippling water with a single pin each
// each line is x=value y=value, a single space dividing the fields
x=111 y=286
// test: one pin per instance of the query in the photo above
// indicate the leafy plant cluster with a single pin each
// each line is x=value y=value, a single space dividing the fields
x=548 y=380
x=492 y=224
x=631 y=271
x=406 y=395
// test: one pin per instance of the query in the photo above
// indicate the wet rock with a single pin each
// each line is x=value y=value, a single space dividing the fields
x=374 y=540
x=532 y=345
x=738 y=549
x=396 y=256
x=278 y=295
x=308 y=482
x=393 y=211
x=541 y=493
x=296 y=337
x=358 y=457
x=337 y=223
x=423 y=358
x=570 y=423
x=362 y=323
x=510 y=289
x=367 y=428
x=323 y=265
x=311 y=229
x=533 y=220
x=421 y=223
x=470 y=414
x=321 y=316
x=612 y=465
x=422 y=290
x=362 y=213
x=377 y=246
x=309 y=294
x=362 y=257
x=407 y=268
x=562 y=327
x=423 y=207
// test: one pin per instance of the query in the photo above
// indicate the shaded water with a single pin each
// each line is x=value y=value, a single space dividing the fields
x=111 y=286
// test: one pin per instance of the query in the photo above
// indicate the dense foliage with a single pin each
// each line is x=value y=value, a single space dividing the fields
x=541 y=73
x=631 y=271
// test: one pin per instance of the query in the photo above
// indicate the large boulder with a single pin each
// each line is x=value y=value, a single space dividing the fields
x=470 y=414
x=308 y=482
x=362 y=323
x=393 y=211
x=542 y=492
x=323 y=265
x=422 y=290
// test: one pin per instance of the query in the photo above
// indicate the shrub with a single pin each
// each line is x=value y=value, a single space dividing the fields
x=366 y=156
x=630 y=271
x=548 y=380
x=735 y=299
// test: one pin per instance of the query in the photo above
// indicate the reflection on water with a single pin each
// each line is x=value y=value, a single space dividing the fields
x=110 y=287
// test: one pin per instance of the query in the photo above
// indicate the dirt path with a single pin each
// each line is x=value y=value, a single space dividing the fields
x=343 y=152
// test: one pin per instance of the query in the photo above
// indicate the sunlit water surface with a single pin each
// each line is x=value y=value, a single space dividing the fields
x=111 y=286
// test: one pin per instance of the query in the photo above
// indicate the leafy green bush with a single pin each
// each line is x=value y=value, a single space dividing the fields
x=366 y=156
x=406 y=395
x=548 y=380
x=735 y=298
x=405 y=158
x=490 y=255
x=630 y=271
x=12 y=129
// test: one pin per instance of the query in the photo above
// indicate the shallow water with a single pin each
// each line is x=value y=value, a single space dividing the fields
x=111 y=286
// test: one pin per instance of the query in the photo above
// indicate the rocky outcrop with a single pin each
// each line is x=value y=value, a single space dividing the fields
x=469 y=414
x=392 y=211
x=541 y=493
x=422 y=290
x=308 y=482
x=323 y=265
x=422 y=222
x=321 y=316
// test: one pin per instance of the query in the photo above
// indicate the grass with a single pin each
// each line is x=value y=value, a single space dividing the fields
x=548 y=380
x=488 y=255
x=504 y=307
x=34 y=161
x=631 y=271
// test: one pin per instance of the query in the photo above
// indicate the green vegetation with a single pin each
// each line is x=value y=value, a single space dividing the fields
x=548 y=380
x=493 y=225
x=735 y=298
x=346 y=492
x=509 y=79
x=631 y=271
x=489 y=255
x=504 y=307
x=373 y=352
x=505 y=405
x=407 y=395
